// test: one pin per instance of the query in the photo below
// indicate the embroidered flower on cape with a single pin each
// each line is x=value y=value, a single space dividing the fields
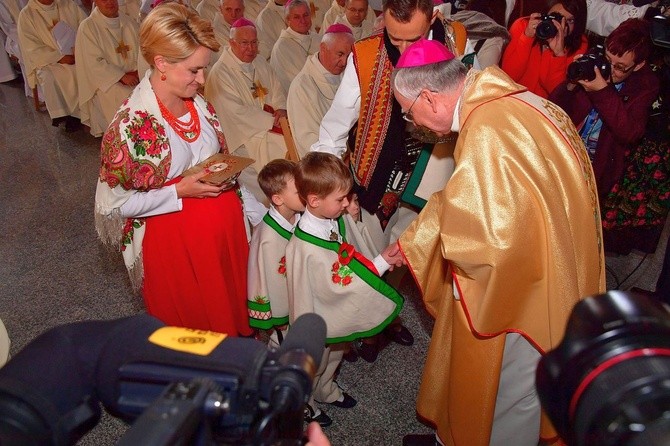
x=128 y=231
x=342 y=274
x=282 y=266
x=147 y=134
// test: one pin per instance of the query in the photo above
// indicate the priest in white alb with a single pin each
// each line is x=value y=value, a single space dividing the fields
x=228 y=13
x=207 y=9
x=106 y=51
x=318 y=10
x=295 y=44
x=270 y=23
x=354 y=16
x=252 y=8
x=47 y=30
x=313 y=89
x=249 y=101
x=337 y=9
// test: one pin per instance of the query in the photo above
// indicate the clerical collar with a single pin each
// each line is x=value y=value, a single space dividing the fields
x=298 y=35
x=332 y=79
x=247 y=67
x=469 y=78
x=112 y=22
x=322 y=228
x=279 y=218
x=48 y=8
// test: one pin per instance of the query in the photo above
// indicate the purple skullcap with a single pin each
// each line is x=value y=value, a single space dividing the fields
x=424 y=52
x=239 y=23
x=437 y=2
x=338 y=28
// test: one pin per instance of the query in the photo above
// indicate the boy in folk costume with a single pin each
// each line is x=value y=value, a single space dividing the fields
x=266 y=275
x=327 y=276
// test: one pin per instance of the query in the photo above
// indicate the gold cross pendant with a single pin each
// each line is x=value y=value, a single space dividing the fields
x=259 y=91
x=122 y=49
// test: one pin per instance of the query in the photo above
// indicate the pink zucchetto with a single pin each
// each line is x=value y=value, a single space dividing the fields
x=424 y=52
x=338 y=28
x=239 y=23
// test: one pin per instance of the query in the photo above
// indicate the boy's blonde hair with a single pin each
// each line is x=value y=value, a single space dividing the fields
x=320 y=174
x=174 y=32
x=273 y=177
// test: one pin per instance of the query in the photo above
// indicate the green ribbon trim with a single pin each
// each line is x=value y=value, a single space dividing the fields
x=276 y=226
x=409 y=194
x=264 y=324
x=364 y=273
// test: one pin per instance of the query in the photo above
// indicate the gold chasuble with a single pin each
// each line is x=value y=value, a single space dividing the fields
x=517 y=231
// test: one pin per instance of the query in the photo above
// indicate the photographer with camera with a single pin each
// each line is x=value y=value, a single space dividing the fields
x=543 y=45
x=610 y=110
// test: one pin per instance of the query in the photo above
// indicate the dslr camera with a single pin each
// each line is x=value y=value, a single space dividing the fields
x=546 y=29
x=583 y=68
x=608 y=382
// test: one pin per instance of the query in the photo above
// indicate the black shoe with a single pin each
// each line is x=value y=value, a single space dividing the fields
x=351 y=355
x=368 y=352
x=323 y=419
x=72 y=124
x=56 y=122
x=347 y=403
x=399 y=334
x=419 y=440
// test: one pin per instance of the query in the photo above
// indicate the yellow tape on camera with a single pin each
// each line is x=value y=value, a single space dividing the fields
x=197 y=342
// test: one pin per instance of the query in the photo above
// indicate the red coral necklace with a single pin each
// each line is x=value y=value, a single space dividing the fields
x=188 y=131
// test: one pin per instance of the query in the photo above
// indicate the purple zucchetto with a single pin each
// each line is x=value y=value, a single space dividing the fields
x=338 y=28
x=424 y=52
x=239 y=23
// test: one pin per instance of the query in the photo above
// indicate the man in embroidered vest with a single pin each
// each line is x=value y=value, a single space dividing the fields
x=248 y=97
x=270 y=22
x=47 y=30
x=503 y=253
x=383 y=151
x=107 y=49
x=354 y=16
x=295 y=44
x=229 y=12
x=313 y=89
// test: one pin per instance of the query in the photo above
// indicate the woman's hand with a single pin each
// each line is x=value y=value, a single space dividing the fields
x=557 y=43
x=191 y=187
x=533 y=21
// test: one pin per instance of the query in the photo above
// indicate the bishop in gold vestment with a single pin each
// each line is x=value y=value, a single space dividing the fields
x=510 y=244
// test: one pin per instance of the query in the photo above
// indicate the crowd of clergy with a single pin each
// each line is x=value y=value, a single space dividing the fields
x=81 y=60
x=283 y=58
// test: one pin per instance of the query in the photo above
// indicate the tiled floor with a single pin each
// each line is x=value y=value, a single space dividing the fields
x=55 y=271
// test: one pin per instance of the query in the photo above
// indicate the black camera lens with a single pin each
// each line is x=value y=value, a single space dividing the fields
x=583 y=68
x=546 y=29
x=608 y=382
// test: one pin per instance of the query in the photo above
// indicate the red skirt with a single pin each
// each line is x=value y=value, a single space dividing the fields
x=195 y=265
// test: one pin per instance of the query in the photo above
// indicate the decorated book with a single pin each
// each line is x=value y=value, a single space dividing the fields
x=221 y=168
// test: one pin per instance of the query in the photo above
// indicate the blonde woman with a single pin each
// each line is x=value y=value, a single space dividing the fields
x=183 y=241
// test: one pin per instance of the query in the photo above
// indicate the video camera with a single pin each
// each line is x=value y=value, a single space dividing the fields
x=608 y=382
x=583 y=68
x=179 y=386
x=546 y=29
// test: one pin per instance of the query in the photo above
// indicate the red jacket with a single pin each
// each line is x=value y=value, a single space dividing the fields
x=538 y=70
x=624 y=114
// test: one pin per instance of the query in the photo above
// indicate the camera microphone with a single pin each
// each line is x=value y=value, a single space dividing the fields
x=300 y=357
x=51 y=390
